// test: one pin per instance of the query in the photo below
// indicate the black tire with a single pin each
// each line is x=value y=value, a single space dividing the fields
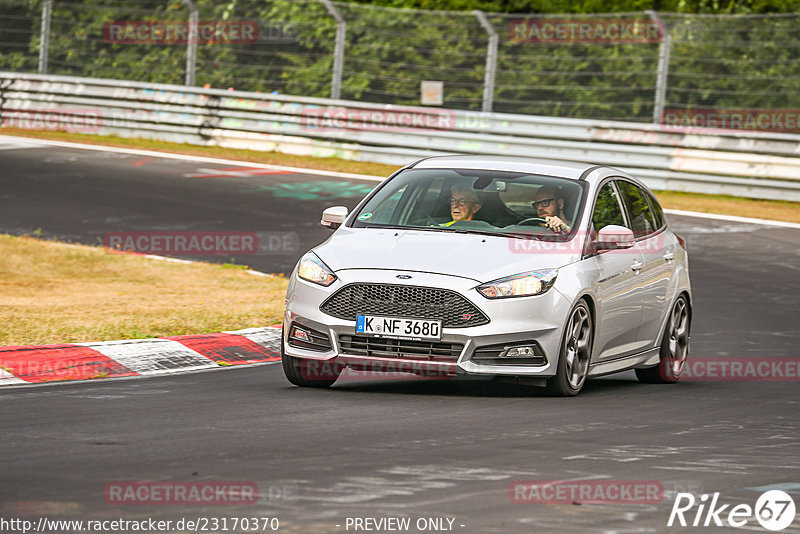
x=575 y=354
x=674 y=347
x=293 y=369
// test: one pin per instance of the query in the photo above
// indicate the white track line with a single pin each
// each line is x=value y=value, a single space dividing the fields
x=266 y=337
x=8 y=378
x=300 y=170
x=187 y=157
x=13 y=144
x=153 y=356
x=177 y=260
x=733 y=218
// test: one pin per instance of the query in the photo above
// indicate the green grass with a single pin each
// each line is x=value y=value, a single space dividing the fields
x=54 y=292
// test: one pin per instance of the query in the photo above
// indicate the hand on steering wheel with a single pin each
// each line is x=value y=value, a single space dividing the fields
x=556 y=224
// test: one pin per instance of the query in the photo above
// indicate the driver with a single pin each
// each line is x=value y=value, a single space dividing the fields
x=464 y=204
x=550 y=205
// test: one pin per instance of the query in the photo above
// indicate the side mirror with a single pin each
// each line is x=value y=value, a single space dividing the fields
x=613 y=237
x=334 y=217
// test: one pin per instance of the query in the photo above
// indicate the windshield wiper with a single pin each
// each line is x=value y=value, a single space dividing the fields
x=399 y=227
x=490 y=233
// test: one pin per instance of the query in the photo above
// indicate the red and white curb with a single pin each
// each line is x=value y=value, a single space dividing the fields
x=32 y=364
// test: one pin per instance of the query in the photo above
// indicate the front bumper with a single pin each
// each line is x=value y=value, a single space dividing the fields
x=513 y=321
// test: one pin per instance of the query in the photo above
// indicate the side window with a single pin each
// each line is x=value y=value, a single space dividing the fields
x=642 y=222
x=384 y=213
x=655 y=208
x=607 y=209
x=423 y=204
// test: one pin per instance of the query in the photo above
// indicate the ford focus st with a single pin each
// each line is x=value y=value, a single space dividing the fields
x=539 y=272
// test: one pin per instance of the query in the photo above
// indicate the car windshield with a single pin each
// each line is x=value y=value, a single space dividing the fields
x=479 y=201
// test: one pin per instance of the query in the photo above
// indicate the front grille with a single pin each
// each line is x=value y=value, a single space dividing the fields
x=404 y=301
x=435 y=351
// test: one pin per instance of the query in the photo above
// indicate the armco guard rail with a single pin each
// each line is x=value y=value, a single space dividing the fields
x=757 y=165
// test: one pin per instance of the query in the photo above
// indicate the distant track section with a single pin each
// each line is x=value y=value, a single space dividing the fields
x=704 y=160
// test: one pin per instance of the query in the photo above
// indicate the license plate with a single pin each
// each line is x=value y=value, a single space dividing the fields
x=396 y=327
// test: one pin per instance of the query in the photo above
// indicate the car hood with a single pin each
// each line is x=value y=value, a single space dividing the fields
x=481 y=258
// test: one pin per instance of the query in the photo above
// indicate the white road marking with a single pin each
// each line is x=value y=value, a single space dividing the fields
x=14 y=144
x=734 y=218
x=266 y=337
x=153 y=356
x=205 y=172
x=196 y=159
x=7 y=378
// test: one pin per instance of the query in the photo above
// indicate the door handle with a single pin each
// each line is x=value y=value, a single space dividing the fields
x=637 y=266
x=669 y=256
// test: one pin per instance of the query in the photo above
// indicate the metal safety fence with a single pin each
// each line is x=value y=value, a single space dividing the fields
x=758 y=165
x=641 y=66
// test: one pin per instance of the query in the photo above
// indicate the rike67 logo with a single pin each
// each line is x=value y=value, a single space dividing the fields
x=774 y=510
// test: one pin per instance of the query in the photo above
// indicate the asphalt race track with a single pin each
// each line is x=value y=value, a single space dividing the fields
x=83 y=196
x=389 y=448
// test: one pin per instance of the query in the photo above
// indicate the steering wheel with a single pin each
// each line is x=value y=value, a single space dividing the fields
x=532 y=221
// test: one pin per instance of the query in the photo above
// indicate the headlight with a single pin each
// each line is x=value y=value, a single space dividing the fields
x=520 y=285
x=313 y=270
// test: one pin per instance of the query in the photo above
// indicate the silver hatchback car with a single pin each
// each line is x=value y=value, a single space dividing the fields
x=539 y=272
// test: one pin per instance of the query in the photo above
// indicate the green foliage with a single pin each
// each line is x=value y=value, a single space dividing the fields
x=606 y=209
x=18 y=44
x=597 y=6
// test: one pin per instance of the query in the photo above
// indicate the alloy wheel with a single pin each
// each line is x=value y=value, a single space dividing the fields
x=578 y=347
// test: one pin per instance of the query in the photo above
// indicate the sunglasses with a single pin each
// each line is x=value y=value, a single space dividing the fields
x=460 y=202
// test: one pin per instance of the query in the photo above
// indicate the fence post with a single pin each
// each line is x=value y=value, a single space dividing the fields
x=44 y=41
x=491 y=60
x=663 y=67
x=338 y=49
x=191 y=46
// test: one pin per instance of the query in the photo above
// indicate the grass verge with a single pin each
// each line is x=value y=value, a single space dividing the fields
x=721 y=204
x=61 y=293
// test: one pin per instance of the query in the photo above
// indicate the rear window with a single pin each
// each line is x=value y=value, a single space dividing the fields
x=641 y=219
x=657 y=211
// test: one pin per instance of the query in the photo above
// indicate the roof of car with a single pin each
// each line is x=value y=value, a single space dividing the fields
x=563 y=169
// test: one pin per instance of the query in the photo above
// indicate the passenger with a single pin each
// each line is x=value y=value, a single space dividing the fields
x=550 y=205
x=464 y=204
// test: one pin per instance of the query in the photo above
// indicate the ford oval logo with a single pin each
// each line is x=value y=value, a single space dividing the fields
x=403 y=276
